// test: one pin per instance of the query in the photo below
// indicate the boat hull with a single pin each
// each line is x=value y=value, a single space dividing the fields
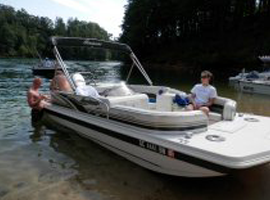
x=148 y=155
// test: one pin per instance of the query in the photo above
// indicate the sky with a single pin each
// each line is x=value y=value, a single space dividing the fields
x=107 y=13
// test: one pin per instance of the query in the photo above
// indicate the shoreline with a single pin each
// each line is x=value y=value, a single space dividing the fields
x=182 y=67
x=188 y=68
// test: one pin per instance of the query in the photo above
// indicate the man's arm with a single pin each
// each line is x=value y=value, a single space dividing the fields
x=32 y=101
x=210 y=102
x=213 y=96
x=192 y=97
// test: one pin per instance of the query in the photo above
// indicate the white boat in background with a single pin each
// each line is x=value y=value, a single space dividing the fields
x=146 y=125
x=256 y=86
x=249 y=76
x=265 y=59
x=235 y=79
x=253 y=75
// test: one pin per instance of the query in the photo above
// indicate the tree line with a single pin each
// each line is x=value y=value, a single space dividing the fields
x=198 y=31
x=23 y=35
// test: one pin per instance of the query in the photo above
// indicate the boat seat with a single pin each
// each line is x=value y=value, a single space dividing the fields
x=78 y=80
x=135 y=100
x=81 y=88
x=215 y=117
x=223 y=107
x=165 y=102
x=226 y=107
x=194 y=120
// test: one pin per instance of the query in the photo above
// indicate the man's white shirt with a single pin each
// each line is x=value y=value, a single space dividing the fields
x=203 y=93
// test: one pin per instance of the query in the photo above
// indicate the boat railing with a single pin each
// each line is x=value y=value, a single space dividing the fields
x=94 y=43
x=60 y=98
x=140 y=67
x=63 y=66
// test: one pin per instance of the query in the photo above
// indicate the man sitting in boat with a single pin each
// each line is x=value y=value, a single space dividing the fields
x=81 y=87
x=204 y=94
x=60 y=82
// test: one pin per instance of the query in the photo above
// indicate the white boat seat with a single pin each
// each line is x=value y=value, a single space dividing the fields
x=215 y=117
x=154 y=118
x=136 y=100
x=78 y=80
x=225 y=107
x=164 y=102
x=87 y=91
x=81 y=88
x=228 y=107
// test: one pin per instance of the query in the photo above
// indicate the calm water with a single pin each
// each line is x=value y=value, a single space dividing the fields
x=38 y=163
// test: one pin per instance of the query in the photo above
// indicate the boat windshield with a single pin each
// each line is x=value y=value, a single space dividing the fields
x=80 y=56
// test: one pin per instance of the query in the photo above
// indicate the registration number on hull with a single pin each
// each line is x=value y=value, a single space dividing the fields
x=156 y=148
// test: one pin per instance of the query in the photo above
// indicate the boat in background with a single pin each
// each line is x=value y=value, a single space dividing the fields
x=260 y=86
x=253 y=74
x=149 y=126
x=253 y=82
x=265 y=59
x=45 y=68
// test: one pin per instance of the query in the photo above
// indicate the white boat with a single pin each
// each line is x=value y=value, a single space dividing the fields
x=249 y=76
x=253 y=75
x=265 y=59
x=235 y=79
x=261 y=86
x=144 y=124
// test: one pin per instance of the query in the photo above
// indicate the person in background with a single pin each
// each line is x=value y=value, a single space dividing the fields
x=47 y=63
x=203 y=95
x=60 y=82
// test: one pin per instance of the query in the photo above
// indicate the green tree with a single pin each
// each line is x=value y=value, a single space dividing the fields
x=200 y=31
x=22 y=34
x=60 y=27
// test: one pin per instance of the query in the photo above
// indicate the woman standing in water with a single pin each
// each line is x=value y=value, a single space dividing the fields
x=204 y=94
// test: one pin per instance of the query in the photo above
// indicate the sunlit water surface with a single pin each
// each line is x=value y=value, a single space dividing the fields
x=38 y=163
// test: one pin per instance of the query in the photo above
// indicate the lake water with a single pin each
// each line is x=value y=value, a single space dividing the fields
x=38 y=163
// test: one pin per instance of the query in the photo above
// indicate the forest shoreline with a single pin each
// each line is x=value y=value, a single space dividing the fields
x=180 y=66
